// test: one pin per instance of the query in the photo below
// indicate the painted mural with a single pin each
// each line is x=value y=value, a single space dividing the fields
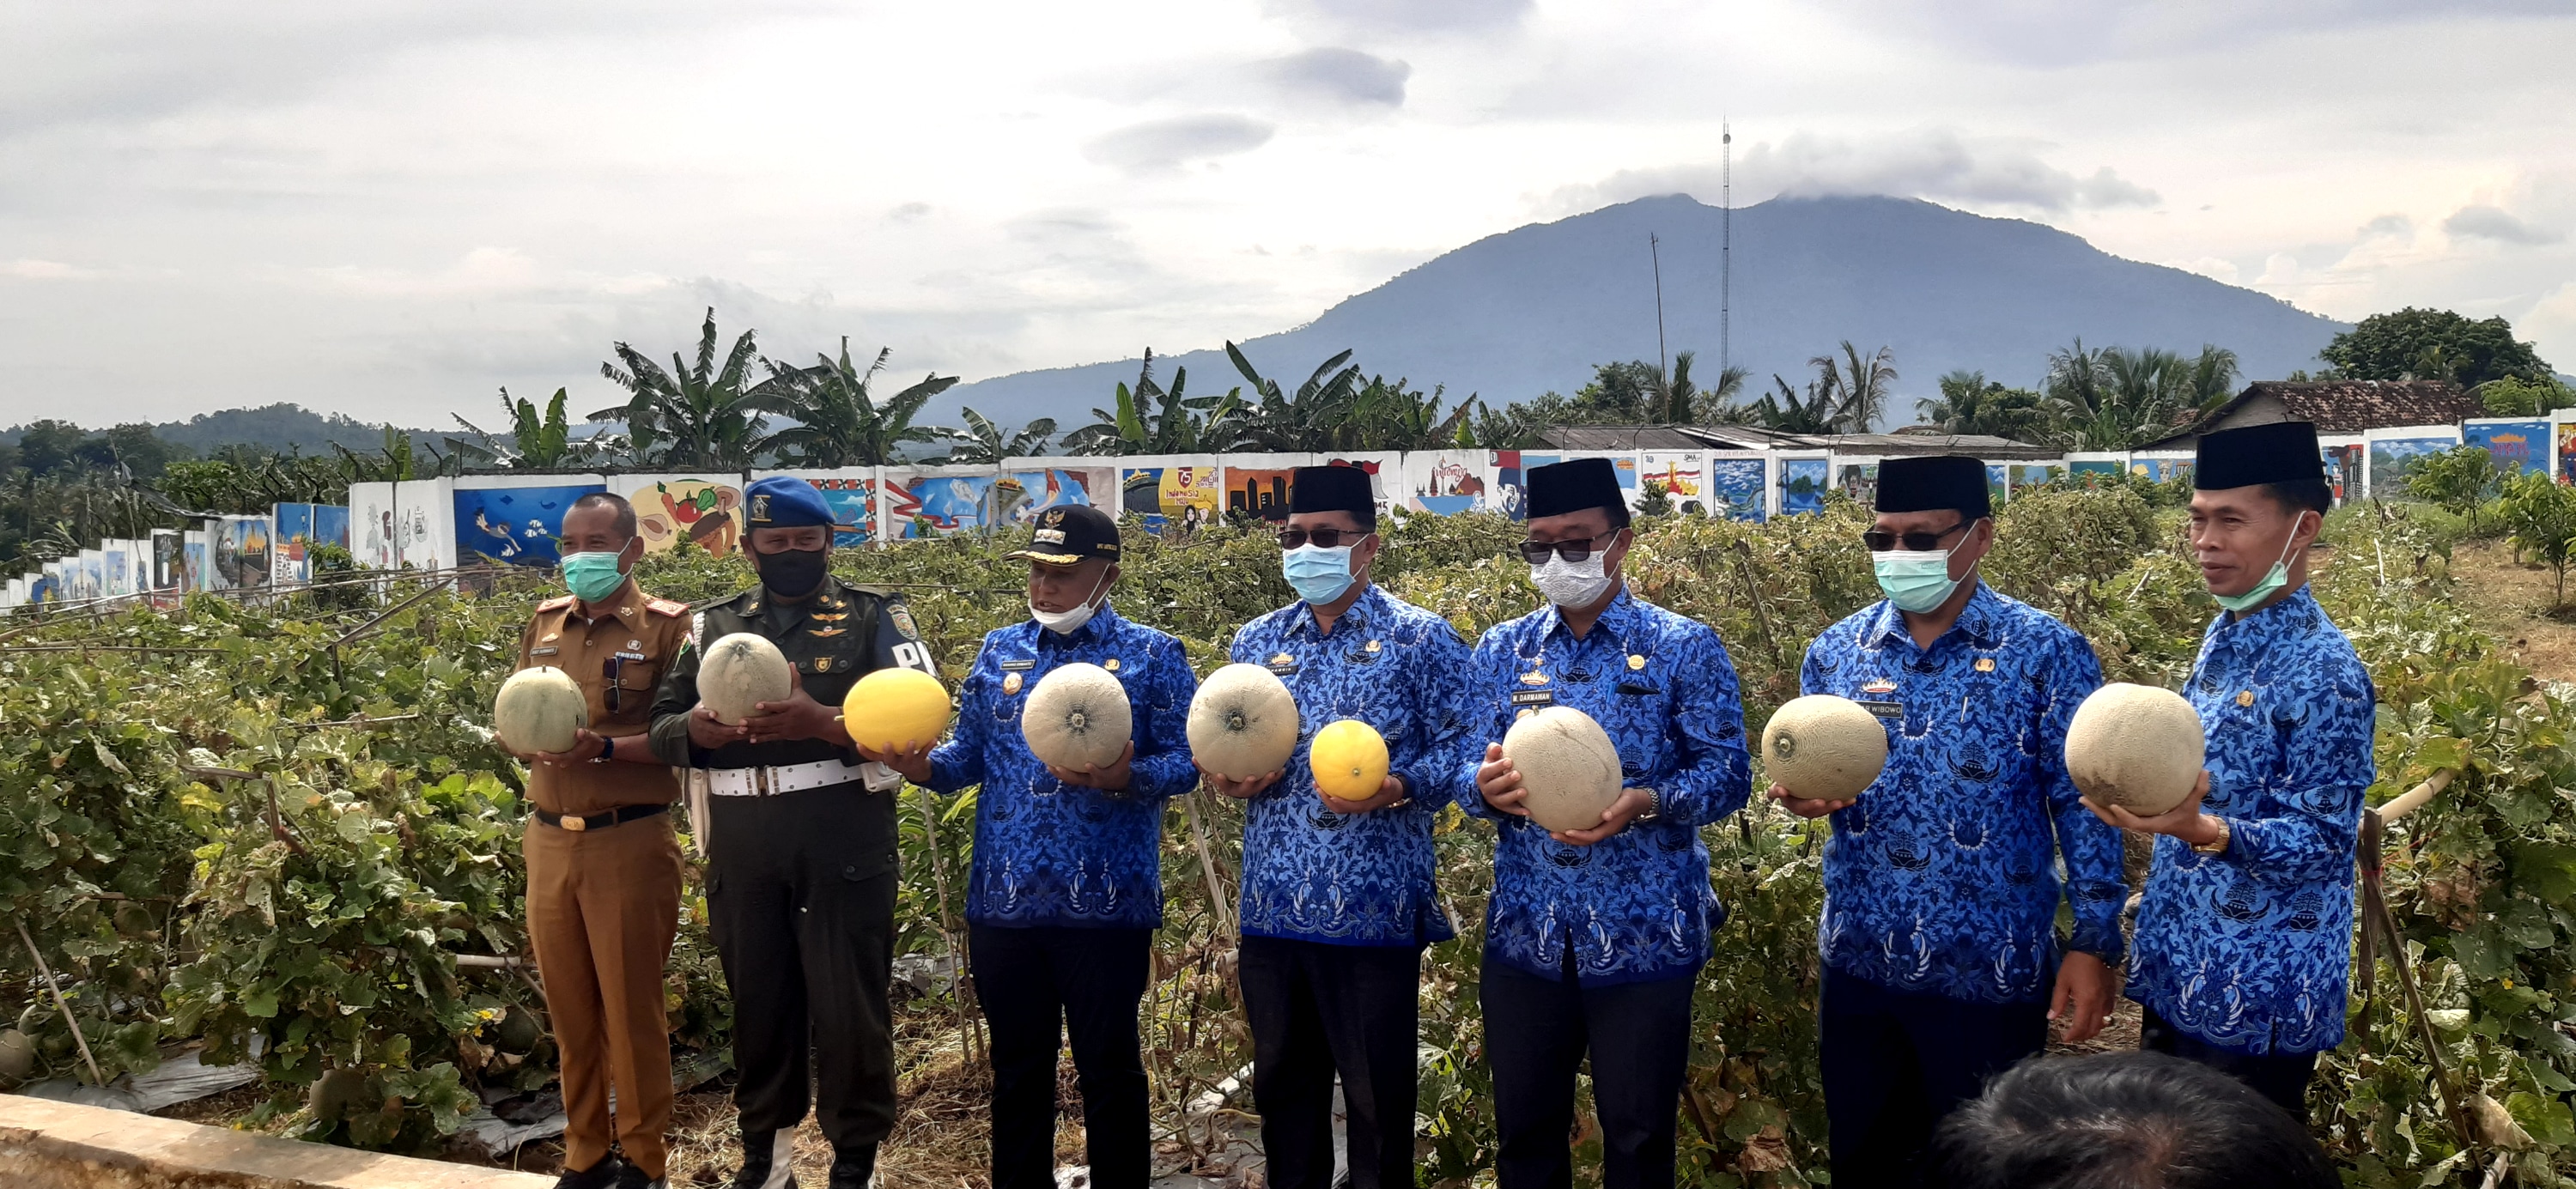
x=1802 y=485
x=1735 y=488
x=194 y=573
x=2566 y=451
x=242 y=552
x=294 y=541
x=853 y=502
x=2090 y=471
x=1683 y=476
x=167 y=561
x=1859 y=480
x=2525 y=445
x=517 y=526
x=708 y=512
x=1998 y=484
x=2391 y=458
x=2160 y=470
x=331 y=525
x=1511 y=483
x=2343 y=470
x=941 y=505
x=1188 y=496
x=1444 y=483
x=2035 y=474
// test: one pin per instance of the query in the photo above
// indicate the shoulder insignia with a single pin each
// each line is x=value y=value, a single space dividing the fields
x=666 y=607
x=557 y=604
x=902 y=617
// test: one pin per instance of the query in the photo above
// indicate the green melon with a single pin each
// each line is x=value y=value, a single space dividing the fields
x=335 y=1092
x=740 y=672
x=518 y=1032
x=1823 y=748
x=2137 y=747
x=1243 y=722
x=540 y=709
x=17 y=1056
x=1077 y=715
x=1568 y=765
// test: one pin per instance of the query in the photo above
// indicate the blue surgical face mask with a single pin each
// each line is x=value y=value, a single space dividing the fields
x=2273 y=580
x=593 y=577
x=1319 y=575
x=1916 y=580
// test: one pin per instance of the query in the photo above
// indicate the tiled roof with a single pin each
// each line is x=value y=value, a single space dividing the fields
x=2351 y=406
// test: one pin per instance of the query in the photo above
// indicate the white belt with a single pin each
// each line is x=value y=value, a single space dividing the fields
x=790 y=778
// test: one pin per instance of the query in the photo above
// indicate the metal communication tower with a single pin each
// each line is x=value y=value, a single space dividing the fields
x=1725 y=238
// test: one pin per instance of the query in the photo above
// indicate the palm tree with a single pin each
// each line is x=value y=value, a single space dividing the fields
x=1783 y=410
x=1972 y=404
x=1687 y=402
x=2212 y=377
x=693 y=417
x=983 y=441
x=838 y=420
x=1855 y=389
x=1148 y=420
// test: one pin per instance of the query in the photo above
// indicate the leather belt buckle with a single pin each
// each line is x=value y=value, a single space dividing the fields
x=761 y=783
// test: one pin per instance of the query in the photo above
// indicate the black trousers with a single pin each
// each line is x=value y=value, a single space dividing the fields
x=1038 y=985
x=1536 y=1033
x=1317 y=1008
x=805 y=929
x=1896 y=1063
x=2281 y=1077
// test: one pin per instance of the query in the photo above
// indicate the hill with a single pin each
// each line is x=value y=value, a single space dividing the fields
x=281 y=426
x=1532 y=309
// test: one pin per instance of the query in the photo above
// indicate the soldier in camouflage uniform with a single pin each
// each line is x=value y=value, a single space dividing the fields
x=801 y=846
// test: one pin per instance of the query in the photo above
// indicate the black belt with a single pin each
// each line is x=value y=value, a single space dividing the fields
x=600 y=821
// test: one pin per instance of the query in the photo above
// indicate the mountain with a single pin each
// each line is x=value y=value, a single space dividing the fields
x=1532 y=310
x=281 y=426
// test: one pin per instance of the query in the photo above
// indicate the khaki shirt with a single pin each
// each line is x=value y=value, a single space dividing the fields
x=618 y=660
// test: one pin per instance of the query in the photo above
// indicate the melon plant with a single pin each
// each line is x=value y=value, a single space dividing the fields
x=889 y=707
x=739 y=672
x=540 y=708
x=1568 y=766
x=1077 y=716
x=1823 y=748
x=1243 y=722
x=2135 y=746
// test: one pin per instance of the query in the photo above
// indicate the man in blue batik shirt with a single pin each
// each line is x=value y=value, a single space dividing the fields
x=1593 y=935
x=1066 y=887
x=1338 y=898
x=1939 y=935
x=2244 y=941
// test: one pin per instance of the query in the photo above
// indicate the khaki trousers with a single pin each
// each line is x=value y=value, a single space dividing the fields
x=603 y=906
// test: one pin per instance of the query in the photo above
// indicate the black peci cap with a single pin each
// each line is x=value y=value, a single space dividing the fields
x=1574 y=486
x=1068 y=533
x=2281 y=452
x=1332 y=489
x=1934 y=483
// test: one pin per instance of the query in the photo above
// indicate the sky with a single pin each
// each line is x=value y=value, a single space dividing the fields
x=392 y=210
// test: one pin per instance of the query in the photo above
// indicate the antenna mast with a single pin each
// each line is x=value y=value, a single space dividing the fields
x=1725 y=238
x=1663 y=379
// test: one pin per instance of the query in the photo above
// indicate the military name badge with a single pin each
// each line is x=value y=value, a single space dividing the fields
x=902 y=617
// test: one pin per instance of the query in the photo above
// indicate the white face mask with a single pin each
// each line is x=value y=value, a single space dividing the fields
x=1066 y=623
x=1571 y=583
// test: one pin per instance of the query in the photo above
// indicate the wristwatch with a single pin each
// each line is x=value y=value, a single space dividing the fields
x=2216 y=846
x=1654 y=805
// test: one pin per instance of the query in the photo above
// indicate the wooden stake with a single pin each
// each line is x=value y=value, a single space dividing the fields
x=61 y=1004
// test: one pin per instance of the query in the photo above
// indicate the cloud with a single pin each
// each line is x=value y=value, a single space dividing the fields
x=2486 y=222
x=2056 y=33
x=1168 y=144
x=1410 y=16
x=1932 y=163
x=44 y=270
x=1344 y=75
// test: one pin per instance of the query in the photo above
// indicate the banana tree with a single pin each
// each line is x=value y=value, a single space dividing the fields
x=696 y=416
x=838 y=420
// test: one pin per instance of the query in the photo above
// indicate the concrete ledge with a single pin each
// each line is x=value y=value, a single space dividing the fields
x=60 y=1145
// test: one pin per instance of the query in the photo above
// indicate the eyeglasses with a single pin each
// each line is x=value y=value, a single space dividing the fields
x=1880 y=542
x=1322 y=538
x=1535 y=552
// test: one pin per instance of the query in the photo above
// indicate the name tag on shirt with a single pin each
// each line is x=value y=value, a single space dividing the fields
x=1885 y=709
x=630 y=656
x=543 y=651
x=1533 y=697
x=1018 y=666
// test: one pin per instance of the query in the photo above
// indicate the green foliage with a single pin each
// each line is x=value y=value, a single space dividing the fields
x=983 y=441
x=696 y=416
x=1150 y=420
x=2413 y=344
x=2460 y=480
x=2515 y=396
x=2541 y=516
x=839 y=421
x=1972 y=404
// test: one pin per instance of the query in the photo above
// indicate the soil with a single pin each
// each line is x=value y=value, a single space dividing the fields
x=2512 y=599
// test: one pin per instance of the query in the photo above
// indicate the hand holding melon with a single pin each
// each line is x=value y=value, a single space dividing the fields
x=540 y=711
x=1242 y=729
x=1350 y=763
x=1821 y=752
x=2135 y=752
x=894 y=716
x=1568 y=771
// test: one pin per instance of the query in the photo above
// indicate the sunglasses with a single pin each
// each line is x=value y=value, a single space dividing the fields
x=1880 y=542
x=1322 y=538
x=1535 y=552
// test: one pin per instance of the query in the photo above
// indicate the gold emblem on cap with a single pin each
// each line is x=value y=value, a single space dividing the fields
x=2246 y=698
x=1011 y=683
x=1533 y=677
x=1053 y=516
x=1635 y=662
x=1111 y=664
x=1985 y=664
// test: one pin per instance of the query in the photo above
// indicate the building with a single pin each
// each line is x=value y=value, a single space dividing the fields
x=2338 y=407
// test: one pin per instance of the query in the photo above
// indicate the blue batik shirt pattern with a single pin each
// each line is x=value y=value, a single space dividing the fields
x=1309 y=873
x=2251 y=949
x=1943 y=876
x=1050 y=853
x=1636 y=906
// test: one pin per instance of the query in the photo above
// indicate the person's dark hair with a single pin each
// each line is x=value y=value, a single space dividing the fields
x=615 y=502
x=2125 y=1121
x=2303 y=495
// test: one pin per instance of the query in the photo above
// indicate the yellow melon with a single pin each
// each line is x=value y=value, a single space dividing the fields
x=1823 y=748
x=1349 y=759
x=739 y=672
x=540 y=709
x=1567 y=764
x=2135 y=746
x=1077 y=715
x=1243 y=722
x=888 y=707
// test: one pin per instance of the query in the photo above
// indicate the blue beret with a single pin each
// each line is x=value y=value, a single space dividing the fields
x=784 y=501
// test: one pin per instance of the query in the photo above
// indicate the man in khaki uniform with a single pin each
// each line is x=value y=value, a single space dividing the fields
x=603 y=866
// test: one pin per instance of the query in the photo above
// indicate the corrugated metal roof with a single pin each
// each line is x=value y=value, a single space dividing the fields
x=1747 y=437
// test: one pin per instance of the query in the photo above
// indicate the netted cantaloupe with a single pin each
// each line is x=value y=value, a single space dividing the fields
x=1078 y=715
x=540 y=709
x=2135 y=746
x=1823 y=748
x=740 y=672
x=1349 y=758
x=890 y=707
x=17 y=1056
x=335 y=1092
x=1243 y=722
x=1568 y=766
